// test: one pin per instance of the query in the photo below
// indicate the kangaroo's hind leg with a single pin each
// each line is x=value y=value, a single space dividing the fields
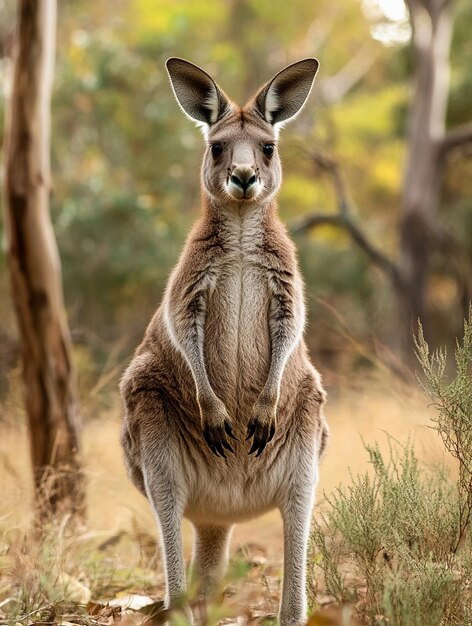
x=210 y=555
x=168 y=502
x=154 y=464
x=297 y=502
x=296 y=515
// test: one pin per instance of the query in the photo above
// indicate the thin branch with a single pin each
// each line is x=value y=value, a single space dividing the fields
x=457 y=137
x=376 y=256
x=343 y=219
x=331 y=167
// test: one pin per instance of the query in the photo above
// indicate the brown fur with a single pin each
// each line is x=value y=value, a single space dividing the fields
x=236 y=290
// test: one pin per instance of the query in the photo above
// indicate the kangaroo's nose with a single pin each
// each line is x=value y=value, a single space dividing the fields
x=243 y=176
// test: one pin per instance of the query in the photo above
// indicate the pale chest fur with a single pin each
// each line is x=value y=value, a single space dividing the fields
x=237 y=341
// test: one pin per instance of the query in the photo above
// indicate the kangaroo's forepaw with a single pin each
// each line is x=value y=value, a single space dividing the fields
x=263 y=431
x=216 y=436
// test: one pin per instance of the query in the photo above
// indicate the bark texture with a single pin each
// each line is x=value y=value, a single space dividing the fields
x=431 y=38
x=49 y=381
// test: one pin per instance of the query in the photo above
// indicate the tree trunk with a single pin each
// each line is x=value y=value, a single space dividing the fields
x=49 y=380
x=432 y=28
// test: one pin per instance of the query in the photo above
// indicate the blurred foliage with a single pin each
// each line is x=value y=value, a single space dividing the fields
x=125 y=160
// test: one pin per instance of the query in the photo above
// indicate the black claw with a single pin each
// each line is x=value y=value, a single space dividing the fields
x=261 y=447
x=220 y=449
x=255 y=445
x=211 y=444
x=216 y=440
x=206 y=436
x=227 y=445
x=250 y=429
x=214 y=450
x=272 y=433
x=229 y=431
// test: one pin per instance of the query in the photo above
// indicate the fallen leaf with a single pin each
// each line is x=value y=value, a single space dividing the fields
x=94 y=608
x=134 y=602
x=103 y=613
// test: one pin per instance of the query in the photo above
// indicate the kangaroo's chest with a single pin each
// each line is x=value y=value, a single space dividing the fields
x=237 y=342
x=238 y=304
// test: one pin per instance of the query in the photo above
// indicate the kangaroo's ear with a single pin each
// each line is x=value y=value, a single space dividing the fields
x=284 y=96
x=197 y=93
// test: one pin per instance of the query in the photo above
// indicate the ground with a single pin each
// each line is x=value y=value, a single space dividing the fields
x=114 y=556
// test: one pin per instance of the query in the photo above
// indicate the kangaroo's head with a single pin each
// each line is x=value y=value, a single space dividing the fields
x=241 y=160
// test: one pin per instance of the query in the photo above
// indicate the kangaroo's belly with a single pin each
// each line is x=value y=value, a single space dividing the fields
x=237 y=341
x=243 y=486
x=226 y=502
x=239 y=489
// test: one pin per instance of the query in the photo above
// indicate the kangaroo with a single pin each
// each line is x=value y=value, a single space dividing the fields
x=223 y=408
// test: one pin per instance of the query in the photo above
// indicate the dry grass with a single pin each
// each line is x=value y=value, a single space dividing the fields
x=366 y=413
x=119 y=543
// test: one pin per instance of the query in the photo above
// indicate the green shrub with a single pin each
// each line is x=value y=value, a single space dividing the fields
x=396 y=542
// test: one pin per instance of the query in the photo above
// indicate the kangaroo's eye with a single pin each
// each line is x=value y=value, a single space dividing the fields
x=268 y=149
x=216 y=150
